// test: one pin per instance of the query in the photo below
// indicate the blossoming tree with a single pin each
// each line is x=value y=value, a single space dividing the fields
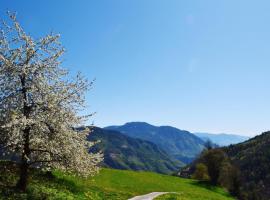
x=39 y=105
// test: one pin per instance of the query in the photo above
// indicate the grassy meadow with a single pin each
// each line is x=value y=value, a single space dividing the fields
x=109 y=184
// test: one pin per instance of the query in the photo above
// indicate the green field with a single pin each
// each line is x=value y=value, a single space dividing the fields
x=109 y=184
x=135 y=183
x=171 y=197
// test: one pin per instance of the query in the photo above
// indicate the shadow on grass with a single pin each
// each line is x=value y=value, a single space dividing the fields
x=50 y=179
x=209 y=186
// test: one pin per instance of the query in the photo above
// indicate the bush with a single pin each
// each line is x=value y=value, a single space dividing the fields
x=201 y=172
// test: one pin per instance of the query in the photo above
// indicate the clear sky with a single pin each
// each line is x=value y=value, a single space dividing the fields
x=199 y=65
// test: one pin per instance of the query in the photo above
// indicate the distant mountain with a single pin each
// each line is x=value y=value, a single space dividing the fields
x=123 y=152
x=182 y=145
x=222 y=139
x=253 y=159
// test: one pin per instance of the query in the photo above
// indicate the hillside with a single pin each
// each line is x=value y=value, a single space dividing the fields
x=107 y=185
x=182 y=145
x=123 y=152
x=222 y=139
x=253 y=159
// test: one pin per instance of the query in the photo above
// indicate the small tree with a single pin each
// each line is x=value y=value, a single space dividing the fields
x=201 y=172
x=213 y=159
x=39 y=106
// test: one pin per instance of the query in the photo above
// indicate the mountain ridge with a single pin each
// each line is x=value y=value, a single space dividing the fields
x=222 y=139
x=180 y=144
x=124 y=152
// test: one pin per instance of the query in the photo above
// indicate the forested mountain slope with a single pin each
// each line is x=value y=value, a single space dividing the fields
x=182 y=145
x=253 y=159
x=123 y=152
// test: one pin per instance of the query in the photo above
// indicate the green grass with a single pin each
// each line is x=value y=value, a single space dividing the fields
x=109 y=184
x=123 y=184
x=171 y=197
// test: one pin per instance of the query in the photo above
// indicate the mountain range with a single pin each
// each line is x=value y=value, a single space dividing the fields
x=123 y=152
x=222 y=139
x=179 y=144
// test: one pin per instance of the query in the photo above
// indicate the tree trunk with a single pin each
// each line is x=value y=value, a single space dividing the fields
x=23 y=181
x=24 y=167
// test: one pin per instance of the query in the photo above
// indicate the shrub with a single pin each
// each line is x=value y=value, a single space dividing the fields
x=201 y=172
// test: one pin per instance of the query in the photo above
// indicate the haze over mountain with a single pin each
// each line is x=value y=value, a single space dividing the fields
x=222 y=139
x=123 y=152
x=180 y=144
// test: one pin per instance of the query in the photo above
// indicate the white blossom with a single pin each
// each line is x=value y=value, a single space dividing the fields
x=39 y=104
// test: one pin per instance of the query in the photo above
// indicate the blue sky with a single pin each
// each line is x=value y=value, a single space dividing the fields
x=199 y=65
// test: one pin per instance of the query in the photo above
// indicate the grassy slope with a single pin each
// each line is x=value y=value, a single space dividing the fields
x=112 y=185
x=129 y=183
x=171 y=197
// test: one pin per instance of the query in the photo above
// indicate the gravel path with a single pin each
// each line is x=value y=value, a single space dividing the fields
x=150 y=196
